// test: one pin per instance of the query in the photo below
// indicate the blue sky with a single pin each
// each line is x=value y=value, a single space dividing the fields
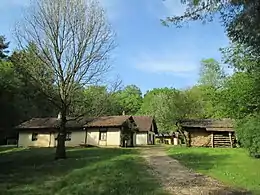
x=148 y=55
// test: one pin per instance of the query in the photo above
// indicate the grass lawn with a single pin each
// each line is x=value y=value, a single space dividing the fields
x=231 y=166
x=86 y=171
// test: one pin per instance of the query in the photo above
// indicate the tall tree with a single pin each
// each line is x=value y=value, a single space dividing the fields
x=211 y=80
x=73 y=40
x=211 y=73
x=3 y=47
x=95 y=101
x=25 y=64
x=167 y=106
x=130 y=99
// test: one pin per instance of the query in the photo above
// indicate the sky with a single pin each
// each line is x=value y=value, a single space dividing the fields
x=148 y=54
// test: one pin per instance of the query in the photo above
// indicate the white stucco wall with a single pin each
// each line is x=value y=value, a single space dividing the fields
x=134 y=139
x=113 y=137
x=93 y=136
x=25 y=140
x=53 y=142
x=141 y=138
x=77 y=138
x=48 y=139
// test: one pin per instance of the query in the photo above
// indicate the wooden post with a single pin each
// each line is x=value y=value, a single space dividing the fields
x=212 y=140
x=230 y=138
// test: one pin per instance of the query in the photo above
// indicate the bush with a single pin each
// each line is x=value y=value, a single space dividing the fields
x=248 y=133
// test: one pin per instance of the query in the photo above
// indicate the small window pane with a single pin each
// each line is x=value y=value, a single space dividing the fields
x=34 y=136
x=68 y=136
x=103 y=136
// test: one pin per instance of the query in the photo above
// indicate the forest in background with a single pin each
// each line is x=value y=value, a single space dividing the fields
x=216 y=94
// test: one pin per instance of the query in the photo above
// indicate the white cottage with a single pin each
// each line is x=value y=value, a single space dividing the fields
x=112 y=131
x=147 y=129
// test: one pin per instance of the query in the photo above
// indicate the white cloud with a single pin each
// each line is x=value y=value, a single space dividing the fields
x=179 y=65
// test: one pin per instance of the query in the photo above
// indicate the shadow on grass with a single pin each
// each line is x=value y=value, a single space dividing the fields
x=86 y=171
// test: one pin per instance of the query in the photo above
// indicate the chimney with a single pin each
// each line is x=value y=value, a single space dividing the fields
x=59 y=116
x=123 y=113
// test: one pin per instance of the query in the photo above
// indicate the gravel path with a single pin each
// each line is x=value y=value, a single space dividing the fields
x=178 y=180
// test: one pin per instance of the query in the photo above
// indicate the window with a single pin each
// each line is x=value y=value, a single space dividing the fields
x=68 y=136
x=103 y=134
x=34 y=136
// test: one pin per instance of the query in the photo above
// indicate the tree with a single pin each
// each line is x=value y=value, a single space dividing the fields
x=211 y=73
x=3 y=47
x=73 y=41
x=25 y=64
x=166 y=105
x=248 y=133
x=211 y=80
x=195 y=104
x=129 y=99
x=95 y=101
x=240 y=94
x=238 y=97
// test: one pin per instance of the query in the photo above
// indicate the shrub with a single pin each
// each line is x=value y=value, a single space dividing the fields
x=248 y=133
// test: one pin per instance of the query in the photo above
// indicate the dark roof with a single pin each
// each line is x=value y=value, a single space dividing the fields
x=144 y=123
x=210 y=124
x=52 y=123
x=107 y=121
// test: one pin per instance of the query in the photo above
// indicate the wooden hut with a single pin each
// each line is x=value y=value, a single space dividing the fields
x=208 y=132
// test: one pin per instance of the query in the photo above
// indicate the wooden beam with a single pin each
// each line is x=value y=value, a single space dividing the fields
x=230 y=138
x=212 y=140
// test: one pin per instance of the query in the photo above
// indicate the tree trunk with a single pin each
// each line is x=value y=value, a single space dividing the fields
x=184 y=137
x=61 y=150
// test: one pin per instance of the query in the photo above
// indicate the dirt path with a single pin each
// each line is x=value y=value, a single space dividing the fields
x=179 y=180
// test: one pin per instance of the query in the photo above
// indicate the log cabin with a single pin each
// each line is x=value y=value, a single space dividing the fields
x=208 y=132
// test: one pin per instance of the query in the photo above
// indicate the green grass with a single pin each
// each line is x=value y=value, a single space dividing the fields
x=231 y=166
x=86 y=171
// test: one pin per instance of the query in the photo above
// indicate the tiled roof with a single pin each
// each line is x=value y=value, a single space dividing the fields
x=51 y=122
x=107 y=121
x=144 y=123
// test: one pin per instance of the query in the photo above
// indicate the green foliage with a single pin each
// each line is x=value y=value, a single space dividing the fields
x=19 y=100
x=3 y=48
x=168 y=105
x=9 y=98
x=94 y=101
x=238 y=97
x=158 y=103
x=248 y=132
x=211 y=73
x=129 y=99
x=211 y=81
